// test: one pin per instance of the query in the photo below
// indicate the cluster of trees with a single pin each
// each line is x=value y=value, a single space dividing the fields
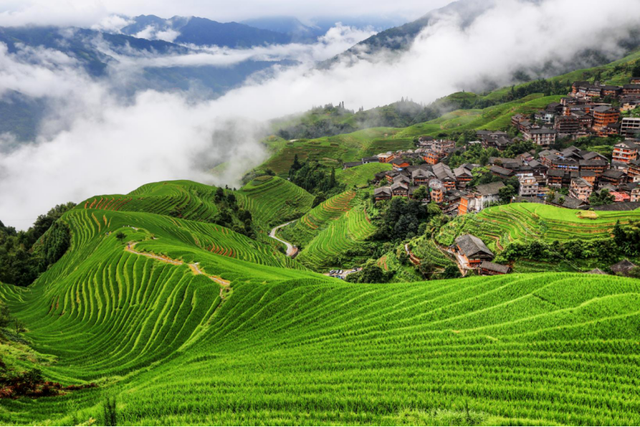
x=315 y=178
x=24 y=255
x=330 y=120
x=602 y=197
x=402 y=219
x=370 y=273
x=231 y=215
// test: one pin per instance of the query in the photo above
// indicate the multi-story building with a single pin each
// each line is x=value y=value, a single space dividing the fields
x=543 y=137
x=632 y=89
x=442 y=145
x=625 y=152
x=432 y=157
x=436 y=190
x=567 y=124
x=386 y=157
x=630 y=127
x=604 y=116
x=580 y=189
x=528 y=186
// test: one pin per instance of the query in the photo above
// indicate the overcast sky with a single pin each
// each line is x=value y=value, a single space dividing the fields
x=89 y=12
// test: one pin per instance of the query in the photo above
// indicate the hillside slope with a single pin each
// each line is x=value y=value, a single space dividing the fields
x=180 y=333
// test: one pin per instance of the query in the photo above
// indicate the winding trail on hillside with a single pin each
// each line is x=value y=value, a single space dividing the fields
x=292 y=251
x=225 y=285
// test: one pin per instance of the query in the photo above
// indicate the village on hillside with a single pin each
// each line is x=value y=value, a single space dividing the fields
x=570 y=177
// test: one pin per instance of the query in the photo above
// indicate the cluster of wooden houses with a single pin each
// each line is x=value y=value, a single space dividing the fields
x=587 y=110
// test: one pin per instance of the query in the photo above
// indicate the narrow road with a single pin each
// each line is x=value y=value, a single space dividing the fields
x=292 y=251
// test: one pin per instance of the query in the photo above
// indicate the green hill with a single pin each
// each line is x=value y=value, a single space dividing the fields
x=187 y=322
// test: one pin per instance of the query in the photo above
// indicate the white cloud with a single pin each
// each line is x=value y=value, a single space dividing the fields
x=112 y=23
x=110 y=146
x=91 y=12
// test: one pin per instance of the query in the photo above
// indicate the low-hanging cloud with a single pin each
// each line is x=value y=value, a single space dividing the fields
x=111 y=145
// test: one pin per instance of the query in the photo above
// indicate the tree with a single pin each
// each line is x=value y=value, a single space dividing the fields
x=635 y=71
x=451 y=272
x=421 y=193
x=219 y=196
x=603 y=197
x=426 y=268
x=121 y=236
x=506 y=193
x=110 y=412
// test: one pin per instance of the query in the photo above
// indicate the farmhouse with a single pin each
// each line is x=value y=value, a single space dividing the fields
x=445 y=175
x=366 y=160
x=347 y=165
x=463 y=176
x=623 y=268
x=488 y=268
x=488 y=193
x=501 y=172
x=400 y=189
x=421 y=177
x=382 y=193
x=613 y=177
x=473 y=250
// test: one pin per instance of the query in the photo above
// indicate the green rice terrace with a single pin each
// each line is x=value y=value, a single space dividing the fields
x=187 y=322
x=332 y=233
x=500 y=225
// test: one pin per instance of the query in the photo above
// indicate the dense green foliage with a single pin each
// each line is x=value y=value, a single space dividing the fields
x=315 y=178
x=401 y=219
x=26 y=254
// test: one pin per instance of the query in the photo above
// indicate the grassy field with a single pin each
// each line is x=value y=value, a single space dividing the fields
x=360 y=176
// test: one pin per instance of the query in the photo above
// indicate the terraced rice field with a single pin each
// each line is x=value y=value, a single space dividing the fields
x=273 y=201
x=519 y=349
x=360 y=176
x=183 y=334
x=189 y=200
x=425 y=248
x=303 y=230
x=331 y=247
x=525 y=222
